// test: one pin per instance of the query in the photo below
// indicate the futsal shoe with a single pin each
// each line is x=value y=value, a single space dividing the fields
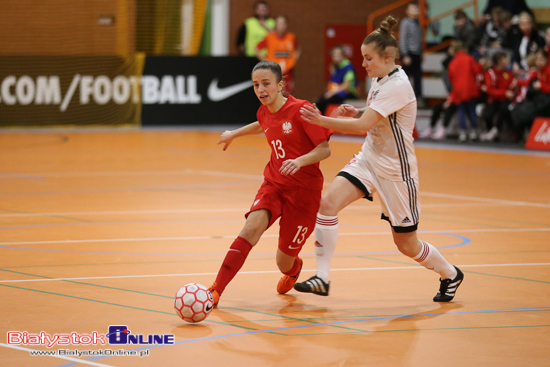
x=448 y=287
x=215 y=294
x=426 y=133
x=313 y=285
x=286 y=282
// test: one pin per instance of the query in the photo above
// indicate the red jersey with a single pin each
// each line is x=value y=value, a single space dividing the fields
x=544 y=77
x=463 y=75
x=497 y=82
x=289 y=138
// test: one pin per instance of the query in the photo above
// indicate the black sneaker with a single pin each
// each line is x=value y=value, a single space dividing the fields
x=448 y=287
x=313 y=285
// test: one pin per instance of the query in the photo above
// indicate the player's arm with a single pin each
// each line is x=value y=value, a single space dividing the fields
x=317 y=154
x=347 y=110
x=228 y=135
x=359 y=126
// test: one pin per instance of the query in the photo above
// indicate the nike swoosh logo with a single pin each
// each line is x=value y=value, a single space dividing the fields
x=216 y=94
x=208 y=308
x=293 y=248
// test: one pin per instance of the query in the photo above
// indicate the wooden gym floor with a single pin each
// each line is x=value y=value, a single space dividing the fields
x=102 y=228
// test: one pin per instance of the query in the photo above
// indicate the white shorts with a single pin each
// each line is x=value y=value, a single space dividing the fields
x=399 y=199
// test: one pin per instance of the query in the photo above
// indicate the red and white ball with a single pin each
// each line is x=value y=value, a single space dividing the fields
x=193 y=302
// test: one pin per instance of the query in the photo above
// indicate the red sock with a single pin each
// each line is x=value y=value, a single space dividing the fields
x=232 y=263
x=295 y=268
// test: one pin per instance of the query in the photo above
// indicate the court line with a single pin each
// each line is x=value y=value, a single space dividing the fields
x=83 y=361
x=257 y=177
x=481 y=230
x=134 y=189
x=265 y=272
x=327 y=324
x=487 y=200
x=229 y=210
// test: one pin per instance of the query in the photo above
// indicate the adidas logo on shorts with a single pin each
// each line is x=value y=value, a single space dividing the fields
x=406 y=220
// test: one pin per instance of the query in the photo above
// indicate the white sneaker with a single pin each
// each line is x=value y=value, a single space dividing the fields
x=462 y=137
x=425 y=133
x=439 y=134
x=473 y=135
x=490 y=135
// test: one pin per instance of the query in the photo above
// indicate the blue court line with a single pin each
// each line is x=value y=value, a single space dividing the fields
x=465 y=241
x=316 y=325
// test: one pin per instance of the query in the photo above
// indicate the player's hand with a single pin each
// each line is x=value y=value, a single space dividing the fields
x=311 y=114
x=537 y=85
x=407 y=60
x=226 y=138
x=347 y=110
x=510 y=94
x=290 y=167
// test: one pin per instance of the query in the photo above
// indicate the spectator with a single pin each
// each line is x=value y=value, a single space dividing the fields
x=463 y=74
x=343 y=81
x=526 y=40
x=445 y=107
x=537 y=101
x=465 y=30
x=547 y=39
x=499 y=83
x=506 y=24
x=496 y=33
x=524 y=83
x=410 y=48
x=513 y=6
x=254 y=29
x=282 y=48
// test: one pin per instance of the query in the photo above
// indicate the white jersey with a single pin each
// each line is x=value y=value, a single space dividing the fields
x=389 y=145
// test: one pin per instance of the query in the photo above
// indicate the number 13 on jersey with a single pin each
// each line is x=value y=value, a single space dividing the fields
x=278 y=148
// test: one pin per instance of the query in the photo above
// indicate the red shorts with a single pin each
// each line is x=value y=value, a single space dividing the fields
x=300 y=208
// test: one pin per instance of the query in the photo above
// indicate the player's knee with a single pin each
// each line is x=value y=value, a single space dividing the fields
x=407 y=247
x=252 y=234
x=328 y=206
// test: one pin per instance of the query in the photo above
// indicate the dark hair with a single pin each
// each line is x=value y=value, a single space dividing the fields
x=338 y=47
x=505 y=16
x=459 y=14
x=458 y=46
x=261 y=2
x=270 y=65
x=382 y=37
x=543 y=53
x=497 y=56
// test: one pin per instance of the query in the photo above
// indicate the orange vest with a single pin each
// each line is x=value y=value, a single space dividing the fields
x=282 y=50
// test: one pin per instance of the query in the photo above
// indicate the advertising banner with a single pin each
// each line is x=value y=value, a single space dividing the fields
x=198 y=91
x=539 y=135
x=110 y=90
x=69 y=90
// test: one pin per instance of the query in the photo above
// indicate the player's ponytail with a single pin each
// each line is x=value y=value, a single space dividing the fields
x=382 y=38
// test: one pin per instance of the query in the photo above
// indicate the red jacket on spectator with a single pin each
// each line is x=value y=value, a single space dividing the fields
x=497 y=82
x=544 y=77
x=463 y=73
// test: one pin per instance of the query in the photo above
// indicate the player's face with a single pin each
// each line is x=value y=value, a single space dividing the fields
x=540 y=61
x=373 y=63
x=337 y=56
x=265 y=86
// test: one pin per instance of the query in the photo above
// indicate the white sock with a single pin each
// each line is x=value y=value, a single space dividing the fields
x=431 y=259
x=326 y=236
